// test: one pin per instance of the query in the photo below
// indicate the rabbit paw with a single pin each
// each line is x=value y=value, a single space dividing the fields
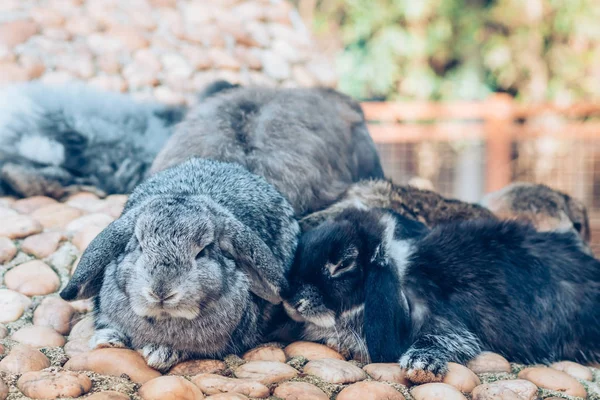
x=424 y=365
x=161 y=358
x=108 y=338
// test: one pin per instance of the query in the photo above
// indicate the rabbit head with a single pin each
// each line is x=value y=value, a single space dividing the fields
x=346 y=267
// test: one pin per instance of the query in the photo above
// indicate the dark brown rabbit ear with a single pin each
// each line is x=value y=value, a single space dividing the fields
x=106 y=247
x=267 y=273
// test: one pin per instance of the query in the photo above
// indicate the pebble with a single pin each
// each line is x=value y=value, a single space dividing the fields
x=56 y=216
x=275 y=66
x=299 y=391
x=16 y=32
x=11 y=73
x=96 y=219
x=311 y=351
x=7 y=212
x=266 y=372
x=3 y=390
x=436 y=391
x=575 y=370
x=23 y=359
x=76 y=347
x=38 y=336
x=335 y=371
x=42 y=244
x=83 y=238
x=3 y=332
x=115 y=362
x=33 y=278
x=8 y=250
x=55 y=313
x=515 y=389
x=461 y=378
x=170 y=388
x=110 y=395
x=215 y=384
x=2 y=349
x=387 y=372
x=195 y=367
x=12 y=305
x=83 y=329
x=52 y=385
x=30 y=204
x=489 y=362
x=19 y=226
x=370 y=391
x=265 y=353
x=552 y=379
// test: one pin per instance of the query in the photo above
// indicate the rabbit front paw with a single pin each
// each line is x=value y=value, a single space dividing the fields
x=424 y=365
x=108 y=338
x=161 y=358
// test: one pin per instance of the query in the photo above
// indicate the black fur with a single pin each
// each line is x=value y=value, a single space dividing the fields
x=431 y=297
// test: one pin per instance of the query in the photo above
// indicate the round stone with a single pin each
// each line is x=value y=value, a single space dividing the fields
x=265 y=353
x=8 y=250
x=514 y=389
x=52 y=385
x=110 y=395
x=55 y=313
x=38 y=336
x=215 y=384
x=30 y=204
x=299 y=391
x=227 y=396
x=12 y=305
x=335 y=371
x=3 y=390
x=575 y=370
x=436 y=391
x=56 y=216
x=3 y=332
x=16 y=32
x=388 y=372
x=23 y=359
x=266 y=372
x=549 y=378
x=311 y=351
x=42 y=244
x=489 y=362
x=33 y=278
x=370 y=391
x=75 y=347
x=195 y=367
x=114 y=362
x=461 y=378
x=7 y=212
x=99 y=220
x=83 y=238
x=170 y=388
x=19 y=226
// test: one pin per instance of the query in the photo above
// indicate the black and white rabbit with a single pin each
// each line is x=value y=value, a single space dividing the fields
x=193 y=267
x=310 y=143
x=388 y=289
x=60 y=139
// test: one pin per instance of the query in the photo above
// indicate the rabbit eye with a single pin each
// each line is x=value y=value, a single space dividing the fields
x=341 y=267
x=577 y=226
x=201 y=253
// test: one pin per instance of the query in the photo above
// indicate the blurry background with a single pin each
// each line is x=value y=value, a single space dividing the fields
x=468 y=95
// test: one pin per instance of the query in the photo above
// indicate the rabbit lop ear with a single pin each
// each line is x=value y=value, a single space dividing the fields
x=267 y=273
x=387 y=324
x=106 y=247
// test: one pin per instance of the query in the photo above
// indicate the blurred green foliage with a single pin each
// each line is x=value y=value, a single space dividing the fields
x=536 y=50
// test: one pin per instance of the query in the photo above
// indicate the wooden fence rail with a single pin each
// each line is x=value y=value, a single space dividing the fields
x=494 y=121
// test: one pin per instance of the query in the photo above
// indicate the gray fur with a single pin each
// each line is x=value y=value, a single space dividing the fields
x=194 y=265
x=56 y=140
x=311 y=144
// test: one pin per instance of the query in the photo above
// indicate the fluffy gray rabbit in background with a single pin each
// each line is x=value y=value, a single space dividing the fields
x=311 y=144
x=57 y=140
x=194 y=266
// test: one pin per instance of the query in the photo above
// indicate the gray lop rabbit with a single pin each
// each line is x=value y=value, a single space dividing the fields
x=194 y=266
x=310 y=143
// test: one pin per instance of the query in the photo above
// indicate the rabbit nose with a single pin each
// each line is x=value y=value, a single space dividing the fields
x=161 y=296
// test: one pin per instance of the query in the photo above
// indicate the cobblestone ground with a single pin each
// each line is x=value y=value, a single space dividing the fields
x=44 y=351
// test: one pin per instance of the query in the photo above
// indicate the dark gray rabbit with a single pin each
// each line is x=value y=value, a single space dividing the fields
x=57 y=140
x=311 y=144
x=193 y=267
x=388 y=289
